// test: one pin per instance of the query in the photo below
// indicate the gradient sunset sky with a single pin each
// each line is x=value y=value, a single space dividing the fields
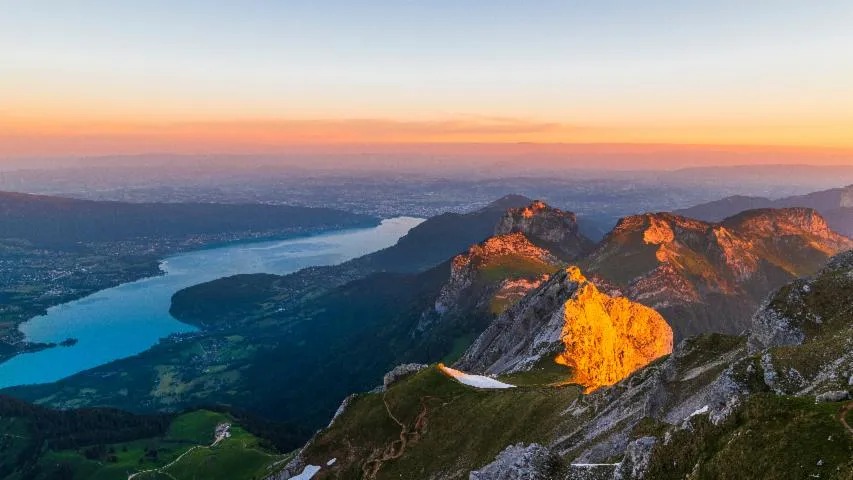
x=92 y=77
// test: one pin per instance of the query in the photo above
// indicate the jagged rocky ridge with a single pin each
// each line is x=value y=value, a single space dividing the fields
x=800 y=344
x=510 y=262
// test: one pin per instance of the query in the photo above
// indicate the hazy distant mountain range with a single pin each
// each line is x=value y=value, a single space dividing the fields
x=836 y=205
x=64 y=222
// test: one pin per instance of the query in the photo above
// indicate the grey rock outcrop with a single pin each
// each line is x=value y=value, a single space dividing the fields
x=636 y=461
x=548 y=227
x=771 y=328
x=520 y=462
x=401 y=371
x=833 y=396
x=520 y=336
x=786 y=316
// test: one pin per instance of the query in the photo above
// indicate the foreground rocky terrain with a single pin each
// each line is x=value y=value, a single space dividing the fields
x=768 y=404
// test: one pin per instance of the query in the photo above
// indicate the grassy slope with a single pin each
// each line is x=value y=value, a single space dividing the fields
x=465 y=427
x=768 y=437
x=240 y=456
x=545 y=372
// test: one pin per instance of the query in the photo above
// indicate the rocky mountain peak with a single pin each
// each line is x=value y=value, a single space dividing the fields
x=568 y=320
x=657 y=228
x=546 y=226
x=769 y=221
x=482 y=254
x=507 y=266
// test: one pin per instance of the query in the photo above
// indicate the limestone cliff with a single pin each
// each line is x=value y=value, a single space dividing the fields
x=547 y=227
x=606 y=339
x=529 y=244
x=509 y=262
x=601 y=338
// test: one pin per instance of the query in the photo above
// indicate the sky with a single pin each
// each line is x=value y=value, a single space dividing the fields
x=98 y=77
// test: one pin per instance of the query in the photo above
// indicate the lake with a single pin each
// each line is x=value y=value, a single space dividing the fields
x=128 y=319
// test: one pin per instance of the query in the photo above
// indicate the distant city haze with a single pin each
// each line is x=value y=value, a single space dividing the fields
x=569 y=84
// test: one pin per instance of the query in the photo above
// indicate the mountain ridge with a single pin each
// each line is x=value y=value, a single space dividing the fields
x=692 y=270
x=718 y=407
x=585 y=357
x=835 y=204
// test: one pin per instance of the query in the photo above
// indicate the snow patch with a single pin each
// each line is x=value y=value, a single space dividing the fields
x=699 y=411
x=307 y=473
x=477 y=381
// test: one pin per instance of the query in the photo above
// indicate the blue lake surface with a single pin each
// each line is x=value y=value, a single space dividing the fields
x=130 y=318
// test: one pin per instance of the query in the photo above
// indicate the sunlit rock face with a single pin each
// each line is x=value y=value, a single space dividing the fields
x=567 y=319
x=606 y=339
x=510 y=262
x=548 y=227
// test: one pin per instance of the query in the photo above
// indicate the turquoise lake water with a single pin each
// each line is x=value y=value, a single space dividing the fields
x=130 y=318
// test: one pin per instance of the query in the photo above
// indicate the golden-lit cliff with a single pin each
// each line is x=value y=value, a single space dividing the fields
x=601 y=338
x=606 y=339
x=507 y=266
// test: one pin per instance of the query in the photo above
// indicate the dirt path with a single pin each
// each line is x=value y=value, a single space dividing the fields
x=162 y=470
x=164 y=467
x=843 y=417
x=396 y=449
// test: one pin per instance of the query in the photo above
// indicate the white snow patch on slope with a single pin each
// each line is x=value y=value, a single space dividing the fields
x=477 y=381
x=700 y=411
x=307 y=473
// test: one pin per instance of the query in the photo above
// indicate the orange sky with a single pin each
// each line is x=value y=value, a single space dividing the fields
x=38 y=137
x=104 y=78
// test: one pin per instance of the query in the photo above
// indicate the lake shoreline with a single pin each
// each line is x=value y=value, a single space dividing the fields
x=20 y=344
x=277 y=254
